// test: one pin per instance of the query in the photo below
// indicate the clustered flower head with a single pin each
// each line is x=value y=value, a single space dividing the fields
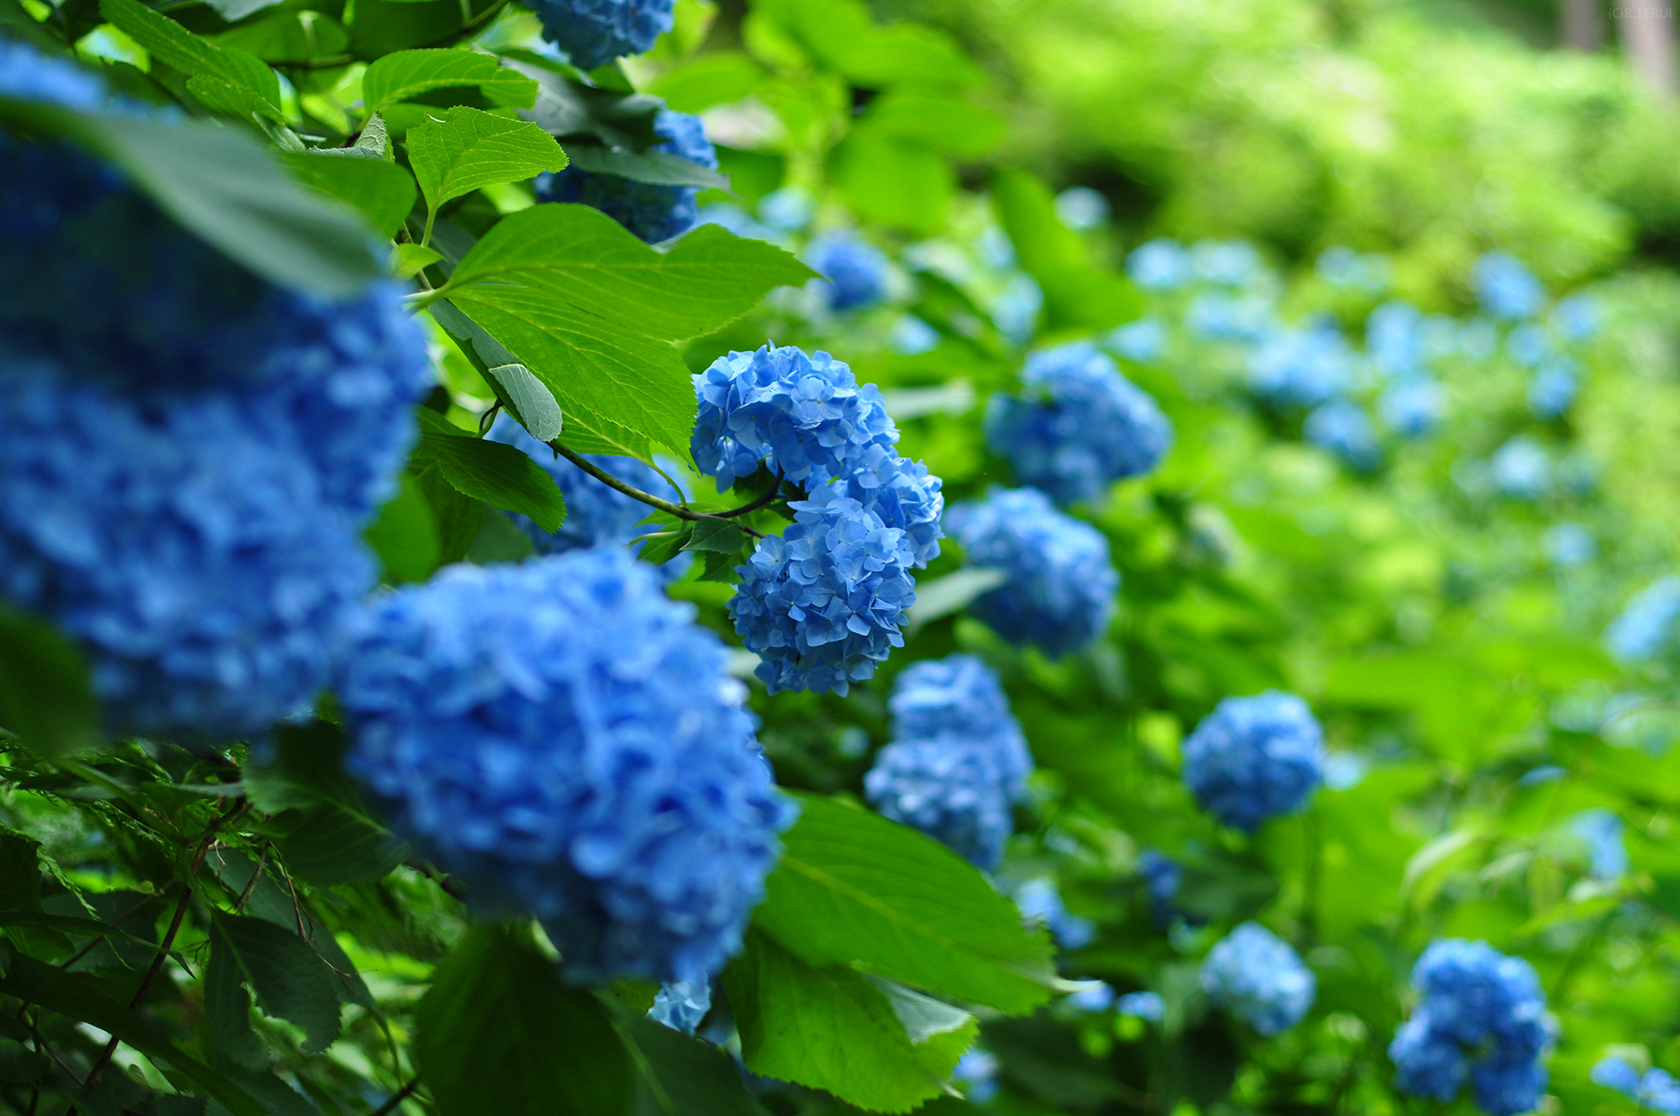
x=1040 y=902
x=1554 y=387
x=567 y=741
x=821 y=605
x=651 y=211
x=1647 y=626
x=1080 y=425
x=594 y=32
x=854 y=269
x=1520 y=469
x=1506 y=288
x=188 y=455
x=596 y=515
x=1258 y=977
x=1301 y=367
x=1254 y=758
x=1482 y=1019
x=1061 y=584
x=682 y=1004
x=1162 y=877
x=957 y=762
x=1159 y=265
x=1656 y=1089
x=1342 y=427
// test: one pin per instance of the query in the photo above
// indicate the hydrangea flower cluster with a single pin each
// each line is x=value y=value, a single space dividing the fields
x=1300 y=367
x=651 y=211
x=1142 y=341
x=594 y=32
x=1061 y=584
x=1147 y=1006
x=1258 y=977
x=1646 y=627
x=1040 y=902
x=1506 y=288
x=1554 y=387
x=1521 y=469
x=1601 y=832
x=1162 y=877
x=854 y=269
x=1412 y=406
x=1655 y=1089
x=957 y=762
x=1159 y=265
x=595 y=514
x=1254 y=758
x=1080 y=426
x=682 y=1004
x=188 y=455
x=567 y=741
x=977 y=1073
x=1342 y=427
x=1482 y=1019
x=822 y=604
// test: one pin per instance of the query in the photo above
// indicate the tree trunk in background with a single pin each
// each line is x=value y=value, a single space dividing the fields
x=1581 y=24
x=1647 y=35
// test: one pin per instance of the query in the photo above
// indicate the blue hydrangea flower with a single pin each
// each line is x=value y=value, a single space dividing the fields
x=1646 y=627
x=1570 y=544
x=1040 y=902
x=1081 y=208
x=959 y=698
x=1345 y=268
x=1162 y=877
x=1258 y=977
x=807 y=417
x=1601 y=831
x=1577 y=317
x=595 y=514
x=1079 y=426
x=1656 y=1089
x=977 y=1073
x=1527 y=345
x=568 y=742
x=911 y=336
x=1412 y=406
x=1554 y=387
x=1016 y=307
x=1143 y=1005
x=1232 y=263
x=1342 y=427
x=27 y=74
x=1481 y=1019
x=855 y=270
x=821 y=604
x=1143 y=341
x=653 y=212
x=1159 y=265
x=954 y=793
x=788 y=209
x=682 y=1004
x=1061 y=587
x=1254 y=758
x=1521 y=469
x=594 y=32
x=1222 y=316
x=1394 y=338
x=1092 y=998
x=1301 y=367
x=1506 y=288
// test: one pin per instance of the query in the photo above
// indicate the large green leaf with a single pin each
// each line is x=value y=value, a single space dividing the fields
x=1076 y=293
x=408 y=73
x=527 y=397
x=832 y=1028
x=853 y=888
x=225 y=187
x=381 y=192
x=591 y=311
x=658 y=167
x=471 y=148
x=498 y=1032
x=79 y=997
x=169 y=42
x=683 y=1076
x=569 y=108
x=405 y=536
x=290 y=981
x=45 y=695
x=500 y=475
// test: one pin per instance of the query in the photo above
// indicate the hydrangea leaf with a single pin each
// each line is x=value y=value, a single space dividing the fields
x=569 y=108
x=45 y=695
x=405 y=536
x=832 y=1028
x=471 y=148
x=290 y=981
x=952 y=593
x=409 y=260
x=683 y=1076
x=658 y=167
x=498 y=1032
x=853 y=888
x=1076 y=293
x=381 y=192
x=591 y=310
x=498 y=474
x=409 y=73
x=172 y=43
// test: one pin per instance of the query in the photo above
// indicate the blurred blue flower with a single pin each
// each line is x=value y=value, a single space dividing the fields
x=821 y=605
x=1159 y=265
x=1521 y=469
x=1254 y=758
x=1656 y=1089
x=1527 y=345
x=1143 y=341
x=1341 y=266
x=1482 y=1018
x=1256 y=976
x=1061 y=587
x=652 y=212
x=1081 y=208
x=1092 y=998
x=1040 y=902
x=1342 y=427
x=1162 y=877
x=1143 y=1005
x=682 y=1004
x=854 y=269
x=568 y=742
x=1646 y=626
x=1577 y=317
x=1016 y=308
x=1477 y=339
x=1554 y=387
x=789 y=209
x=594 y=32
x=959 y=699
x=1394 y=338
x=1602 y=832
x=1078 y=426
x=1411 y=406
x=1344 y=770
x=1222 y=316
x=911 y=336
x=1232 y=263
x=1506 y=288
x=1300 y=367
x=977 y=1073
x=27 y=74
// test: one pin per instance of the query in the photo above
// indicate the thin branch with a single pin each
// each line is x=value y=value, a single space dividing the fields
x=762 y=502
x=649 y=498
x=256 y=876
x=396 y=1098
x=145 y=901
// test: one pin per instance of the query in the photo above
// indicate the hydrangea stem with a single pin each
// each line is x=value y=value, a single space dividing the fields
x=663 y=505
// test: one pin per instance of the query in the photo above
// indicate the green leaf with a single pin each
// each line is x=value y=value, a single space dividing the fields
x=458 y=517
x=592 y=311
x=227 y=1010
x=1076 y=293
x=713 y=78
x=894 y=182
x=78 y=997
x=943 y=124
x=832 y=1028
x=45 y=695
x=853 y=888
x=472 y=148
x=666 y=545
x=682 y=1076
x=500 y=475
x=226 y=188
x=658 y=167
x=407 y=73
x=498 y=1032
x=290 y=981
x=290 y=37
x=952 y=593
x=527 y=397
x=381 y=192
x=409 y=260
x=173 y=44
x=499 y=541
x=569 y=108
x=720 y=536
x=405 y=536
